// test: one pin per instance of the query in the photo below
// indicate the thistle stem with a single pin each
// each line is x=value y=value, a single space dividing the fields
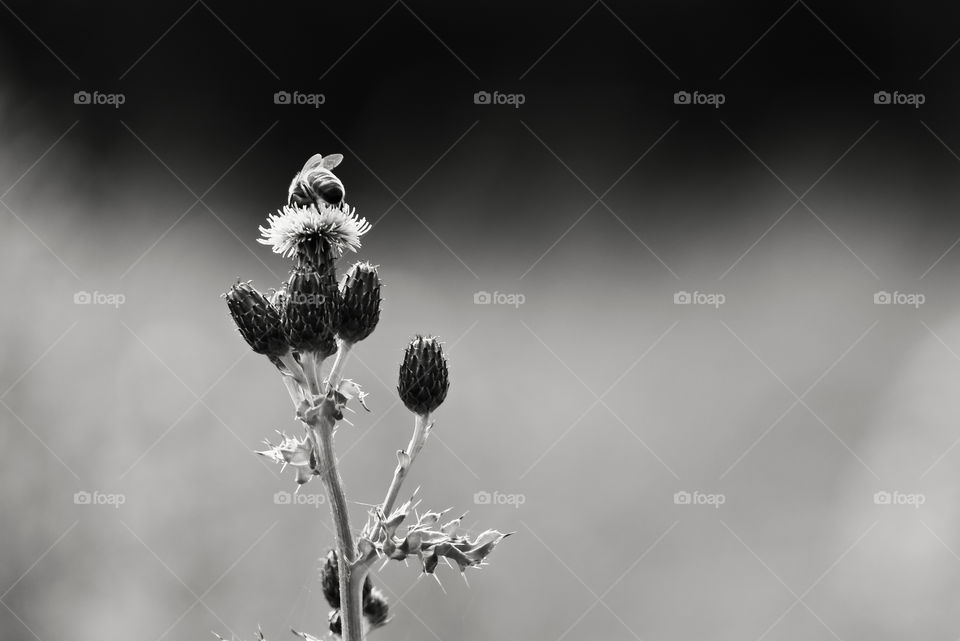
x=294 y=390
x=351 y=602
x=336 y=371
x=295 y=370
x=311 y=366
x=421 y=429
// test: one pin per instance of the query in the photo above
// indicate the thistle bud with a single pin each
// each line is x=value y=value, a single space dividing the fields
x=424 y=379
x=257 y=320
x=375 y=608
x=336 y=625
x=311 y=311
x=330 y=579
x=360 y=306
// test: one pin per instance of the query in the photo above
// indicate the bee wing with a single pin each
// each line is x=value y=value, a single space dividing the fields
x=315 y=160
x=332 y=161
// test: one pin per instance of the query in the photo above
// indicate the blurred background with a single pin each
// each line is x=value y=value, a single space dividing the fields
x=694 y=266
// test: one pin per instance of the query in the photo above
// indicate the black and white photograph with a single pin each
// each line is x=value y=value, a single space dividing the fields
x=432 y=321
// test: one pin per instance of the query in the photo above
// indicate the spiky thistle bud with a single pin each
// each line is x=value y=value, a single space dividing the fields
x=257 y=320
x=330 y=580
x=424 y=379
x=375 y=608
x=360 y=305
x=311 y=311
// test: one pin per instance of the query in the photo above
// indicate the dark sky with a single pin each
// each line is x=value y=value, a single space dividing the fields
x=598 y=80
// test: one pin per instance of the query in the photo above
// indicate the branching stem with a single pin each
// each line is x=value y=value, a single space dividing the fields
x=421 y=429
x=336 y=372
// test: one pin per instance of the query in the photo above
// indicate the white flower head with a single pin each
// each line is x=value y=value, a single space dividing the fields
x=314 y=233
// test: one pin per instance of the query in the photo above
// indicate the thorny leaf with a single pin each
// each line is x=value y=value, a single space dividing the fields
x=295 y=452
x=429 y=541
x=349 y=390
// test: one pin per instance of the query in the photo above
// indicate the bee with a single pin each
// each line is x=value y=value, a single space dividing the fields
x=315 y=183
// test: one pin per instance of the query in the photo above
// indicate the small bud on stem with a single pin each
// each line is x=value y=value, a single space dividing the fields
x=424 y=378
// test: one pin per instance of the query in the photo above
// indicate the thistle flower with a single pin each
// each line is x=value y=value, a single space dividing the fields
x=311 y=312
x=299 y=325
x=257 y=320
x=315 y=234
x=360 y=307
x=424 y=378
